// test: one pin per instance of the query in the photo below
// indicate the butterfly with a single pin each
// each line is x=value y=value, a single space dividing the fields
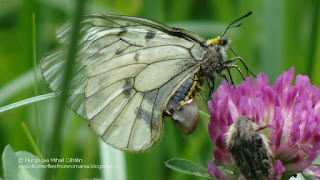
x=250 y=150
x=129 y=72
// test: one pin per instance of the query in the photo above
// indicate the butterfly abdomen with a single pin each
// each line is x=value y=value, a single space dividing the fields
x=183 y=94
x=183 y=108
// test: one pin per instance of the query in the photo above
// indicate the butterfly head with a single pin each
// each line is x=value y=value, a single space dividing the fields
x=220 y=45
x=222 y=41
x=215 y=58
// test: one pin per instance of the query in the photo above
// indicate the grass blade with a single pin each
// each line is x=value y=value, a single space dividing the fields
x=115 y=159
x=35 y=83
x=204 y=115
x=27 y=101
x=67 y=76
x=32 y=142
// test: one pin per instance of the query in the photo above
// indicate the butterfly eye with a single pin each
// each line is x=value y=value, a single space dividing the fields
x=224 y=41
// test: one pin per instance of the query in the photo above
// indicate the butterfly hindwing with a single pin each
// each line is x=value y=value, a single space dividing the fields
x=126 y=70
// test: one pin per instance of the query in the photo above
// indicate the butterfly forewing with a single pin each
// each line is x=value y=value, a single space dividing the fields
x=125 y=72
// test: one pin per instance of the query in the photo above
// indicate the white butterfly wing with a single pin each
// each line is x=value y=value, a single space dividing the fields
x=126 y=70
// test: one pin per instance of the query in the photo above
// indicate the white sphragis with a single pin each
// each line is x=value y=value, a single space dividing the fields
x=129 y=71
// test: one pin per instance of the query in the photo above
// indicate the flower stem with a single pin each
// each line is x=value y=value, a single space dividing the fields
x=31 y=140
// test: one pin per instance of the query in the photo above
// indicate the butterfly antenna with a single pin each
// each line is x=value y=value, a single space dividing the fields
x=237 y=25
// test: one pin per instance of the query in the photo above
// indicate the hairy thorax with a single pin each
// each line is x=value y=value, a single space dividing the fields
x=212 y=62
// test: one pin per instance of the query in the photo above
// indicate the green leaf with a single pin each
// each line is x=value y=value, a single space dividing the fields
x=188 y=167
x=10 y=163
x=225 y=170
x=316 y=161
x=306 y=177
x=20 y=165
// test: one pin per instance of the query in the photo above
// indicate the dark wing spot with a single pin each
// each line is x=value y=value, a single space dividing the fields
x=143 y=114
x=150 y=35
x=136 y=56
x=150 y=96
x=128 y=85
x=101 y=81
x=118 y=51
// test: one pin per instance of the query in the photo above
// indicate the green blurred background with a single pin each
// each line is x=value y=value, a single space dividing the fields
x=279 y=34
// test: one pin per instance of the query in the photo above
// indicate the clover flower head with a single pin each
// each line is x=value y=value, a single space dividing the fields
x=285 y=116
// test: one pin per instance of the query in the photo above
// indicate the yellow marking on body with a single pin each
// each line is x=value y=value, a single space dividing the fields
x=168 y=112
x=192 y=89
x=214 y=40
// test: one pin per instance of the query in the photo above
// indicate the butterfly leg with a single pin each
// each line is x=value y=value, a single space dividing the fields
x=228 y=69
x=211 y=87
x=239 y=70
x=260 y=127
x=224 y=77
x=230 y=61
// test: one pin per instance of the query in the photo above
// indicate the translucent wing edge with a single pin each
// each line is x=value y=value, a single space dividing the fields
x=76 y=111
x=151 y=23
